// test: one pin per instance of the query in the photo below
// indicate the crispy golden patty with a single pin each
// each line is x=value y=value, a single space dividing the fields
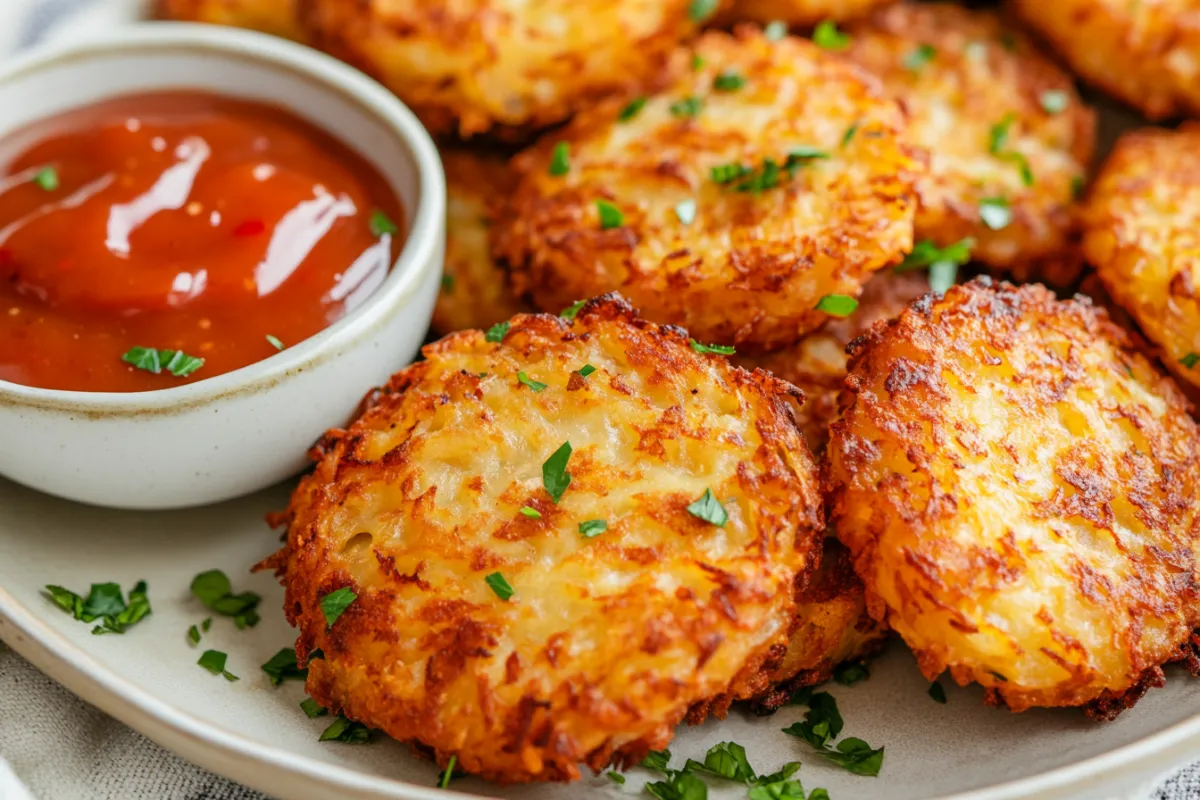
x=1143 y=236
x=269 y=16
x=1017 y=487
x=651 y=568
x=817 y=363
x=801 y=13
x=1144 y=52
x=469 y=66
x=726 y=204
x=474 y=291
x=1008 y=137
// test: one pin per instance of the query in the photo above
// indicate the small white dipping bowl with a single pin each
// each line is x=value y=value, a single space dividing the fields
x=239 y=432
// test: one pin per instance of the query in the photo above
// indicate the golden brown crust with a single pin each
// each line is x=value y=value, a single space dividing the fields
x=1143 y=236
x=752 y=265
x=800 y=13
x=1144 y=52
x=974 y=73
x=475 y=291
x=277 y=17
x=505 y=67
x=1017 y=487
x=608 y=640
x=817 y=363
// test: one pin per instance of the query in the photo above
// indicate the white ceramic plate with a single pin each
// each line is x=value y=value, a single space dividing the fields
x=256 y=734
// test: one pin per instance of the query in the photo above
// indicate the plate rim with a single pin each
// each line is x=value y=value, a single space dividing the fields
x=241 y=759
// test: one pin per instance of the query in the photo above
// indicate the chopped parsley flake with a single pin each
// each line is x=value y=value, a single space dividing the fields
x=850 y=674
x=204 y=626
x=593 y=527
x=942 y=263
x=711 y=349
x=697 y=62
x=998 y=146
x=610 y=216
x=381 y=223
x=687 y=107
x=447 y=283
x=274 y=342
x=176 y=362
x=827 y=36
x=837 y=305
x=728 y=81
x=678 y=786
x=104 y=602
x=701 y=10
x=616 y=777
x=727 y=173
x=822 y=724
x=657 y=760
x=632 y=109
x=497 y=332
x=686 y=211
x=560 y=160
x=725 y=760
x=47 y=179
x=937 y=692
x=283 y=667
x=1190 y=360
x=214 y=662
x=212 y=588
x=555 y=477
x=570 y=311
x=995 y=212
x=775 y=30
x=193 y=635
x=536 y=386
x=447 y=773
x=500 y=586
x=312 y=709
x=585 y=370
x=848 y=136
x=334 y=604
x=919 y=56
x=1055 y=101
x=709 y=509
x=531 y=512
x=343 y=730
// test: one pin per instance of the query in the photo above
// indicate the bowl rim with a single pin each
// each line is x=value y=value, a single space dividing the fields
x=265 y=53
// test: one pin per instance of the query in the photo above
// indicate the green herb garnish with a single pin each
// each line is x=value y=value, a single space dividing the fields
x=531 y=512
x=728 y=81
x=554 y=472
x=176 y=362
x=585 y=370
x=214 y=662
x=448 y=283
x=193 y=635
x=334 y=604
x=312 y=709
x=775 y=30
x=919 y=56
x=610 y=215
x=500 y=586
x=447 y=773
x=536 y=386
x=1190 y=360
x=686 y=211
x=212 y=588
x=632 y=109
x=725 y=760
x=593 y=527
x=822 y=724
x=343 y=730
x=711 y=349
x=837 y=305
x=104 y=602
x=1055 y=101
x=283 y=667
x=46 y=178
x=709 y=509
x=700 y=10
x=937 y=692
x=560 y=160
x=850 y=674
x=381 y=223
x=616 y=777
x=497 y=332
x=687 y=107
x=848 y=136
x=827 y=36
x=998 y=146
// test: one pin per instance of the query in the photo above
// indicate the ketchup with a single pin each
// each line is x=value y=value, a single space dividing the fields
x=145 y=234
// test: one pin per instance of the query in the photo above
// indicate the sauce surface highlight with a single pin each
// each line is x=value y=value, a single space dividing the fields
x=216 y=228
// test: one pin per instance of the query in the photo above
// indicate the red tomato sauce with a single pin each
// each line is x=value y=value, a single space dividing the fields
x=179 y=221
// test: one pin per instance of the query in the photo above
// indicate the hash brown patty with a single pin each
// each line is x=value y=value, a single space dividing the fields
x=731 y=203
x=649 y=569
x=1017 y=487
